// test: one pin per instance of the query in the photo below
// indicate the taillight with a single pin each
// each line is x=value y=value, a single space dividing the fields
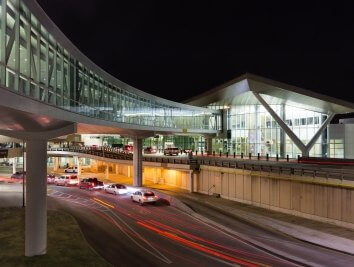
x=144 y=197
x=92 y=184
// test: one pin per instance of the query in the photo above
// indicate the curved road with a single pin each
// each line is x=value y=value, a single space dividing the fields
x=127 y=234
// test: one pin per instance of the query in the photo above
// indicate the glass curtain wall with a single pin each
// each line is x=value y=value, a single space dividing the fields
x=253 y=130
x=33 y=63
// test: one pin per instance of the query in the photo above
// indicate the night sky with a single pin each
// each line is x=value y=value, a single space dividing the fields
x=177 y=49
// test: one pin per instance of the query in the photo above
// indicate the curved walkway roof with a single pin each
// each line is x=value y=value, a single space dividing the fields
x=58 y=85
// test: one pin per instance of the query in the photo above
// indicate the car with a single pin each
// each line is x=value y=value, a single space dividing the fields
x=91 y=184
x=18 y=175
x=66 y=180
x=150 y=150
x=128 y=149
x=116 y=189
x=170 y=151
x=144 y=196
x=5 y=163
x=71 y=170
x=187 y=150
x=51 y=178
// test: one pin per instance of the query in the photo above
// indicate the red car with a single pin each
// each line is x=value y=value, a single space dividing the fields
x=128 y=149
x=91 y=184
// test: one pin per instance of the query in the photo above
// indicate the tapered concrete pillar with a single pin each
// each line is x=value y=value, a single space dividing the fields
x=36 y=198
x=117 y=168
x=56 y=164
x=137 y=162
x=14 y=163
x=78 y=165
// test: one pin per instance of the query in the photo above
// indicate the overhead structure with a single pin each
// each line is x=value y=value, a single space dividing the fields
x=268 y=117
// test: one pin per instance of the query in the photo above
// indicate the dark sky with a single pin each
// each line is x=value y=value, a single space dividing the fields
x=177 y=49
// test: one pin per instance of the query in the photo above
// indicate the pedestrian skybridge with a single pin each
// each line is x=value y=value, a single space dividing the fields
x=45 y=79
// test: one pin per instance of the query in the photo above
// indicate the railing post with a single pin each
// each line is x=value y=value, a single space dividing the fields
x=277 y=157
x=298 y=158
x=258 y=156
x=267 y=157
x=220 y=154
x=234 y=154
x=287 y=158
x=227 y=154
x=242 y=155
x=202 y=153
x=250 y=155
x=213 y=153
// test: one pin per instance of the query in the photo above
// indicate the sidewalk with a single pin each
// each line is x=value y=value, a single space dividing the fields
x=322 y=234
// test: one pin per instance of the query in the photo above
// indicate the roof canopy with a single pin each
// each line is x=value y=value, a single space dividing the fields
x=239 y=92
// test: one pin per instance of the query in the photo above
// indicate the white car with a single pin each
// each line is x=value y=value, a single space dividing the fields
x=116 y=189
x=67 y=180
x=71 y=170
x=144 y=196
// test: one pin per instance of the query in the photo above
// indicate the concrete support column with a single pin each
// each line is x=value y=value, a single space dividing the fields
x=117 y=168
x=36 y=198
x=56 y=164
x=14 y=163
x=78 y=165
x=137 y=162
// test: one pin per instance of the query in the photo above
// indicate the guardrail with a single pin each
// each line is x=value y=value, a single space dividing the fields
x=289 y=168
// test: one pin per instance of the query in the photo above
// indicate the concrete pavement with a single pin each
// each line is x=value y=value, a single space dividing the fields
x=322 y=234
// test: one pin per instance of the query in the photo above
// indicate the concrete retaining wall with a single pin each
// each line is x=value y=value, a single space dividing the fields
x=317 y=199
x=178 y=178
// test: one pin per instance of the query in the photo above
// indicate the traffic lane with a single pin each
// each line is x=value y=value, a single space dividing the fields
x=179 y=235
x=159 y=247
x=311 y=253
x=181 y=224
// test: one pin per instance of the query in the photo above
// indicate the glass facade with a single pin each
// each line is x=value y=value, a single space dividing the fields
x=33 y=63
x=253 y=130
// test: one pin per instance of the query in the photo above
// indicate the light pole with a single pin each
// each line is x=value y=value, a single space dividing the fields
x=23 y=173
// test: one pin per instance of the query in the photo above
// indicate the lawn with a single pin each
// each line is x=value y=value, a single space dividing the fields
x=66 y=244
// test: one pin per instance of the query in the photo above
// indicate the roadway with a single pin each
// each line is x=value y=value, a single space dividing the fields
x=127 y=234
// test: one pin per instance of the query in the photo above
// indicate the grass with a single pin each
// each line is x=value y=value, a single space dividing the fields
x=66 y=245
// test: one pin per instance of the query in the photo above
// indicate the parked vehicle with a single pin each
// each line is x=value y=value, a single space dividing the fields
x=116 y=189
x=18 y=175
x=5 y=163
x=71 y=170
x=91 y=184
x=51 y=178
x=144 y=196
x=67 y=180
x=128 y=149
x=187 y=150
x=170 y=151
x=150 y=150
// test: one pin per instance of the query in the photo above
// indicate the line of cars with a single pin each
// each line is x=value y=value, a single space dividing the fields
x=140 y=196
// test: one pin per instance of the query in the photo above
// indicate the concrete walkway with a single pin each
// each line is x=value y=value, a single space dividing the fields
x=322 y=234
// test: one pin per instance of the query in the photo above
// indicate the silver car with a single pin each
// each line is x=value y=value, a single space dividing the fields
x=116 y=189
x=144 y=196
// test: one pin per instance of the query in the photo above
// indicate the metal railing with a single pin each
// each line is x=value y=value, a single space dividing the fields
x=288 y=168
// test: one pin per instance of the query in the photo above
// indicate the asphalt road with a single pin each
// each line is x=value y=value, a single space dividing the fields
x=127 y=234
x=276 y=242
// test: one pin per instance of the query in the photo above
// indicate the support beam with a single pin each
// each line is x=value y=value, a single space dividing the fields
x=36 y=198
x=281 y=123
x=137 y=162
x=317 y=134
x=56 y=164
x=78 y=165
x=13 y=165
x=209 y=145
